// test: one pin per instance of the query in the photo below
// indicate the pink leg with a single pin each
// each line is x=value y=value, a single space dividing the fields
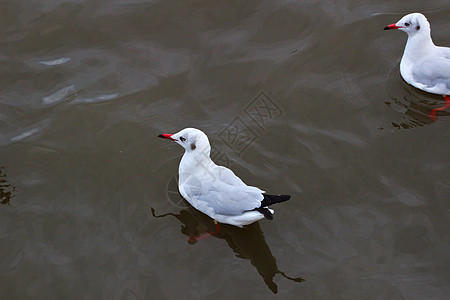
x=433 y=113
x=194 y=239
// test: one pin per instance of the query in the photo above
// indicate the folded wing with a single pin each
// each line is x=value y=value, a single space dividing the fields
x=221 y=192
x=433 y=74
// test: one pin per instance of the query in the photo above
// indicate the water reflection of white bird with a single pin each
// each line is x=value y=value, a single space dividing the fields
x=216 y=190
x=247 y=243
x=424 y=65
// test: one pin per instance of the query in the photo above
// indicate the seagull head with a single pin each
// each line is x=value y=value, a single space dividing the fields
x=412 y=24
x=191 y=139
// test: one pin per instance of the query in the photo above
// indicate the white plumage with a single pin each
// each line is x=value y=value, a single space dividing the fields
x=216 y=190
x=423 y=65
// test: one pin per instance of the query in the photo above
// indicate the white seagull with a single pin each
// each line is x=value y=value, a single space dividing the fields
x=424 y=65
x=215 y=190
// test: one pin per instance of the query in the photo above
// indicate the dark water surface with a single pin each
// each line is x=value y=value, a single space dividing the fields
x=86 y=86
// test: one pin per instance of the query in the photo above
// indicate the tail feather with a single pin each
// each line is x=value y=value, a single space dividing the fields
x=273 y=199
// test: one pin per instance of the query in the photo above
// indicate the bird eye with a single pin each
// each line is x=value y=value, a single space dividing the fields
x=417 y=27
x=182 y=139
x=407 y=24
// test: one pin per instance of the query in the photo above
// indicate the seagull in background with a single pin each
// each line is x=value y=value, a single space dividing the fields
x=424 y=65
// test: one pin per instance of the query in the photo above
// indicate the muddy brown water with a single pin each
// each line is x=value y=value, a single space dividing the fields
x=297 y=97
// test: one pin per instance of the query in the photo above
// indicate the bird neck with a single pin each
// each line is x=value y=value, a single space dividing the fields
x=418 y=45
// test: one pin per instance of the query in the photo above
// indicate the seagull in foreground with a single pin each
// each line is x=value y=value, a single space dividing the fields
x=424 y=65
x=215 y=190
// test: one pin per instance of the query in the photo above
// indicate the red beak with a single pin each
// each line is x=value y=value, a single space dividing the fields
x=392 y=26
x=167 y=136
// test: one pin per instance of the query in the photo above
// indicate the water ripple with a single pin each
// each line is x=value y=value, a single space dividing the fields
x=55 y=62
x=60 y=95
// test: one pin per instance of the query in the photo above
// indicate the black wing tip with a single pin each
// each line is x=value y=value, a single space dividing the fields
x=281 y=197
x=285 y=197
x=273 y=199
x=266 y=212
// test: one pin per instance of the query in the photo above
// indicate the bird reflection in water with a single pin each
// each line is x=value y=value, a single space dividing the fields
x=246 y=243
x=415 y=110
x=415 y=105
x=7 y=191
